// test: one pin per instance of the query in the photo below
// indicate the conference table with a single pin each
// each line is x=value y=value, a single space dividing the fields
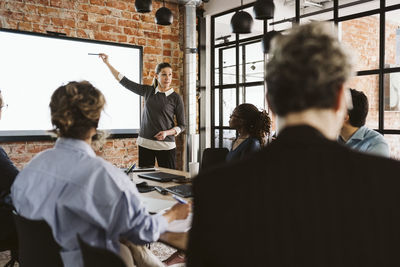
x=175 y=240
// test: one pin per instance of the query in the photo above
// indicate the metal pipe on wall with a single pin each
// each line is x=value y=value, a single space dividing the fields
x=190 y=81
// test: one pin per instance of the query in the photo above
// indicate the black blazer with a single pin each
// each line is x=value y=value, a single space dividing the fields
x=302 y=201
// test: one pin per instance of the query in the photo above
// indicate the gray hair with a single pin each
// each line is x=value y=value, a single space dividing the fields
x=307 y=68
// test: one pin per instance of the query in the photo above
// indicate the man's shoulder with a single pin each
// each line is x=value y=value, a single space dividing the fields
x=371 y=134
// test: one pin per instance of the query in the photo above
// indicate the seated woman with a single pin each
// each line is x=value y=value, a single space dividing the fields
x=253 y=127
x=76 y=192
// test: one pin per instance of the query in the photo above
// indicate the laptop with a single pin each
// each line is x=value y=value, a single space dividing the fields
x=182 y=190
x=161 y=176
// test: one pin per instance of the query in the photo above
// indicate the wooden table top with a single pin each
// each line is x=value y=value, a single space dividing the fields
x=175 y=240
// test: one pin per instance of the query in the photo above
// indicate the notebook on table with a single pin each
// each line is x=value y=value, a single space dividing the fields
x=161 y=176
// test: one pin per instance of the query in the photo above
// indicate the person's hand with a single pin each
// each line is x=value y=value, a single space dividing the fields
x=178 y=212
x=161 y=135
x=104 y=57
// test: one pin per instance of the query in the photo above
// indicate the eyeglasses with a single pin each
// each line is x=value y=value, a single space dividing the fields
x=3 y=107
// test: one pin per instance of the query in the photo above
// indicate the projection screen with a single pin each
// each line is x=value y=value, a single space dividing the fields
x=33 y=65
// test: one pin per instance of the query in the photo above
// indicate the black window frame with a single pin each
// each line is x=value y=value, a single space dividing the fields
x=381 y=71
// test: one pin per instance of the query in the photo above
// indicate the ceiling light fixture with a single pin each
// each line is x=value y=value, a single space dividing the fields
x=264 y=9
x=143 y=6
x=164 y=16
x=241 y=21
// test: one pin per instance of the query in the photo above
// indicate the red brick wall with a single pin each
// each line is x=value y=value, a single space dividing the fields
x=112 y=20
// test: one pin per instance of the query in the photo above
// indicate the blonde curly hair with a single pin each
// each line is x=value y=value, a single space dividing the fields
x=75 y=109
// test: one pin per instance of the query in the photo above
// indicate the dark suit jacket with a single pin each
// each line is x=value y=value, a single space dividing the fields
x=302 y=201
x=8 y=172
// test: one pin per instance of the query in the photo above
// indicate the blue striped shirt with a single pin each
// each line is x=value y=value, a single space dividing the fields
x=75 y=191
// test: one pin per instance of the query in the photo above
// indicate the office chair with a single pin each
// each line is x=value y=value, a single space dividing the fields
x=213 y=157
x=99 y=257
x=6 y=245
x=8 y=235
x=37 y=246
x=13 y=248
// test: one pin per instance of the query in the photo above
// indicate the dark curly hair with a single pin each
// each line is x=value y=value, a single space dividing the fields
x=255 y=122
x=75 y=109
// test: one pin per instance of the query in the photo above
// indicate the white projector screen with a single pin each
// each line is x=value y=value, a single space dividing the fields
x=32 y=66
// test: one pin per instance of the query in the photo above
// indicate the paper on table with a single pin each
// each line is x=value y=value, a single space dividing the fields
x=179 y=226
x=154 y=205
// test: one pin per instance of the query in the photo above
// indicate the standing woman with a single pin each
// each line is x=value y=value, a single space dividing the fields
x=162 y=104
x=253 y=126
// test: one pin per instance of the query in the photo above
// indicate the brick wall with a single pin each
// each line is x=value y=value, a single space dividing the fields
x=112 y=20
x=362 y=36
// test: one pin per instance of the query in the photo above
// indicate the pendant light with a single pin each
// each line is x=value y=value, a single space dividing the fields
x=264 y=9
x=266 y=40
x=143 y=6
x=241 y=21
x=164 y=16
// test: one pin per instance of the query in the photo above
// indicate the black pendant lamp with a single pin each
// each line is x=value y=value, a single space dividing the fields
x=143 y=6
x=264 y=9
x=266 y=40
x=164 y=16
x=241 y=22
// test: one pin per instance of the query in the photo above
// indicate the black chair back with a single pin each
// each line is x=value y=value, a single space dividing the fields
x=213 y=157
x=37 y=246
x=8 y=234
x=99 y=257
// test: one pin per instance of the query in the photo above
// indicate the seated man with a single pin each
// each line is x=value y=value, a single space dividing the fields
x=304 y=200
x=355 y=134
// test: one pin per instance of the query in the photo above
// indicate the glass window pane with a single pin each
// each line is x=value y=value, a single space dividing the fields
x=216 y=138
x=228 y=104
x=392 y=100
x=240 y=64
x=312 y=6
x=362 y=37
x=353 y=9
x=223 y=31
x=255 y=95
x=369 y=84
x=394 y=145
x=392 y=42
x=258 y=25
x=254 y=62
x=229 y=66
x=228 y=137
x=241 y=95
x=216 y=65
x=392 y=2
x=284 y=12
x=216 y=107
